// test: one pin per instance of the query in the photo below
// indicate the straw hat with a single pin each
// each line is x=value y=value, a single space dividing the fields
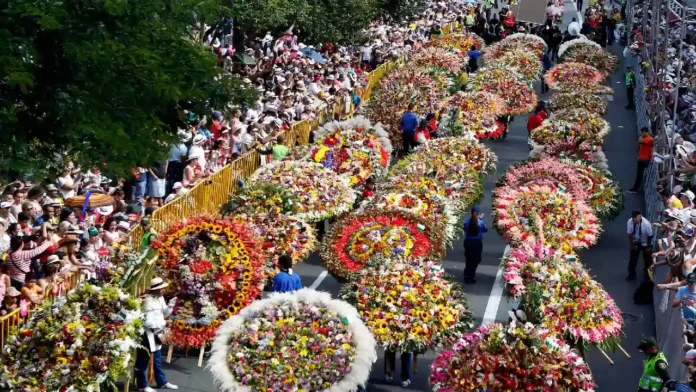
x=157 y=284
x=52 y=259
x=12 y=292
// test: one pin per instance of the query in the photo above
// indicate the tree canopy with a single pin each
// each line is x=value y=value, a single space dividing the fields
x=102 y=82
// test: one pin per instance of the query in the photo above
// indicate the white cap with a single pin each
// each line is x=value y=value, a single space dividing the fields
x=124 y=225
x=177 y=185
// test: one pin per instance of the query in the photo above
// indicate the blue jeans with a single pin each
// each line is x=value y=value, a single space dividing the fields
x=140 y=189
x=142 y=362
x=390 y=357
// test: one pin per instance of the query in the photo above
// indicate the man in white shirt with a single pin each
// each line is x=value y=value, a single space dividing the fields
x=574 y=28
x=640 y=234
x=367 y=54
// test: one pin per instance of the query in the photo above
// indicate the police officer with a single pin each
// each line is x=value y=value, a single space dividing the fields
x=655 y=374
x=630 y=87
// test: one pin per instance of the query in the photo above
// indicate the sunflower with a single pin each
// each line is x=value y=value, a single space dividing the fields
x=389 y=300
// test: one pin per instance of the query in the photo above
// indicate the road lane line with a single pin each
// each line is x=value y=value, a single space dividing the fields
x=496 y=294
x=318 y=280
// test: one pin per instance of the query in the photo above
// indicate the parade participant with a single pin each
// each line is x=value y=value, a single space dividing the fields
x=409 y=123
x=149 y=233
x=474 y=227
x=285 y=281
x=390 y=364
x=655 y=375
x=155 y=310
x=422 y=133
x=640 y=234
x=630 y=87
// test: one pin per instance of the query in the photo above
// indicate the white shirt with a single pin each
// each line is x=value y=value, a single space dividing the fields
x=155 y=310
x=367 y=53
x=574 y=29
x=641 y=231
x=68 y=180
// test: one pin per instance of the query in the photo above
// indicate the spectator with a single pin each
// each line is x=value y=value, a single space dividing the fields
x=5 y=282
x=670 y=201
x=10 y=302
x=640 y=235
x=19 y=259
x=31 y=291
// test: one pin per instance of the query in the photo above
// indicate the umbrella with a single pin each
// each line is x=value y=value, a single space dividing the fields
x=244 y=59
x=313 y=54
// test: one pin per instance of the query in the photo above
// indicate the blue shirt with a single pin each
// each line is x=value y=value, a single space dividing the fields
x=409 y=122
x=475 y=54
x=547 y=62
x=687 y=312
x=284 y=282
x=177 y=152
x=482 y=229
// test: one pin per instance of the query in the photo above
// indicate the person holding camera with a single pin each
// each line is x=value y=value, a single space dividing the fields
x=640 y=235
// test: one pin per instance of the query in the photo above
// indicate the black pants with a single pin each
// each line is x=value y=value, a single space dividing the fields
x=409 y=141
x=629 y=97
x=175 y=173
x=472 y=254
x=633 y=260
x=640 y=171
x=544 y=87
x=580 y=6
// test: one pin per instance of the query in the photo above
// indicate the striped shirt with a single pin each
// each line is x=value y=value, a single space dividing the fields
x=20 y=261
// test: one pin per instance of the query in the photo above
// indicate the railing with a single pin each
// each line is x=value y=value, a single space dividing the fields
x=208 y=195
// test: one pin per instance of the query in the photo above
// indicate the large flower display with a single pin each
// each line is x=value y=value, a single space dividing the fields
x=508 y=84
x=261 y=199
x=574 y=77
x=593 y=102
x=526 y=63
x=472 y=114
x=554 y=130
x=395 y=92
x=459 y=41
x=590 y=123
x=425 y=203
x=409 y=305
x=353 y=148
x=573 y=150
x=561 y=296
x=605 y=195
x=82 y=342
x=301 y=341
x=358 y=237
x=454 y=150
x=528 y=43
x=214 y=266
x=540 y=212
x=280 y=234
x=321 y=192
x=510 y=358
x=546 y=171
x=588 y=52
x=448 y=59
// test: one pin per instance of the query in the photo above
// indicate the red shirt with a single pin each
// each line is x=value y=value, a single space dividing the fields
x=215 y=129
x=534 y=121
x=645 y=149
x=544 y=114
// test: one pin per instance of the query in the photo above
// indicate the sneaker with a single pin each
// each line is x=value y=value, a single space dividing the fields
x=168 y=386
x=632 y=190
x=389 y=378
x=147 y=389
x=405 y=383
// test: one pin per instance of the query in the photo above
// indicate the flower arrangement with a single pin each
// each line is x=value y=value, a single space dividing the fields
x=261 y=199
x=540 y=212
x=460 y=186
x=605 y=196
x=125 y=267
x=354 y=148
x=526 y=63
x=301 y=341
x=519 y=97
x=576 y=43
x=358 y=237
x=553 y=130
x=546 y=171
x=424 y=203
x=561 y=296
x=409 y=305
x=589 y=52
x=478 y=103
x=454 y=151
x=593 y=102
x=321 y=192
x=528 y=43
x=472 y=114
x=397 y=90
x=451 y=60
x=280 y=234
x=574 y=77
x=589 y=122
x=82 y=342
x=574 y=150
x=214 y=266
x=459 y=41
x=515 y=357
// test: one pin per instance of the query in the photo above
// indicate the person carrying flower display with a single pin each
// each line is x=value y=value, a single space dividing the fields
x=409 y=123
x=473 y=243
x=155 y=310
x=285 y=281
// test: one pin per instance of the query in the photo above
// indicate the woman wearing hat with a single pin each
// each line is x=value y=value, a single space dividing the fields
x=10 y=302
x=473 y=244
x=155 y=310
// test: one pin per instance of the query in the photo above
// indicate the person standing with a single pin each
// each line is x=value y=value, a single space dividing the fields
x=645 y=147
x=149 y=233
x=474 y=55
x=285 y=281
x=390 y=365
x=546 y=61
x=630 y=87
x=579 y=3
x=155 y=309
x=409 y=123
x=473 y=244
x=640 y=234
x=655 y=374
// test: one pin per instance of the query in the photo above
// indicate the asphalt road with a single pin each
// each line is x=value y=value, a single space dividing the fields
x=607 y=260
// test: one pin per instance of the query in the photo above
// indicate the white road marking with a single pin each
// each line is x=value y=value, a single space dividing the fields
x=318 y=280
x=496 y=294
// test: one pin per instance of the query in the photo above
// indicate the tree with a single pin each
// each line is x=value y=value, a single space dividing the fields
x=101 y=82
x=401 y=10
x=335 y=21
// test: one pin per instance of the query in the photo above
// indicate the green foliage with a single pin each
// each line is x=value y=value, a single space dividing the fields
x=336 y=21
x=401 y=10
x=101 y=81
